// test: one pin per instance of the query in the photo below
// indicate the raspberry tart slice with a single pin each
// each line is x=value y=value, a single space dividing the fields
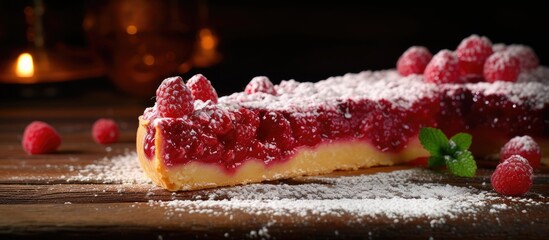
x=279 y=131
x=191 y=139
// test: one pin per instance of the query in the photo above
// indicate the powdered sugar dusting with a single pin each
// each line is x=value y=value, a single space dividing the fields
x=398 y=195
x=122 y=169
x=525 y=143
x=373 y=85
x=533 y=94
x=530 y=88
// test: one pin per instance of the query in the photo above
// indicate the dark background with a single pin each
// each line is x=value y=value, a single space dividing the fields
x=308 y=41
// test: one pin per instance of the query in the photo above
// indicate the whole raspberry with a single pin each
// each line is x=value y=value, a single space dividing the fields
x=526 y=56
x=260 y=84
x=39 y=137
x=413 y=61
x=105 y=131
x=443 y=68
x=472 y=52
x=513 y=177
x=501 y=66
x=173 y=98
x=201 y=88
x=524 y=146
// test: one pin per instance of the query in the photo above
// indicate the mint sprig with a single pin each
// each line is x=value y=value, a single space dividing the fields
x=453 y=153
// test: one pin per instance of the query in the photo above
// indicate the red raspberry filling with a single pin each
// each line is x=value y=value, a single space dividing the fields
x=230 y=137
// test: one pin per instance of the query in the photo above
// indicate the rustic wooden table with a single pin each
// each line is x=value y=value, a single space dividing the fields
x=35 y=194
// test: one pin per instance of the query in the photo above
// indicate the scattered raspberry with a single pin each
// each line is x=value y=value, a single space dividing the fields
x=501 y=66
x=472 y=52
x=526 y=56
x=443 y=68
x=524 y=146
x=260 y=84
x=414 y=60
x=201 y=88
x=105 y=131
x=513 y=177
x=173 y=98
x=40 y=137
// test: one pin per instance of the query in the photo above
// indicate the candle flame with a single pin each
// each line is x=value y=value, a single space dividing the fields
x=208 y=41
x=25 y=65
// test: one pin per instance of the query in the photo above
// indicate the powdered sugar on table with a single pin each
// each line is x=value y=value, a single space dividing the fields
x=401 y=195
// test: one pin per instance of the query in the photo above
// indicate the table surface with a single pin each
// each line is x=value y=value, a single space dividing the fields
x=34 y=194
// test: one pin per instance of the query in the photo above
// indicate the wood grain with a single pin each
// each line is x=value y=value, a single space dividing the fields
x=37 y=201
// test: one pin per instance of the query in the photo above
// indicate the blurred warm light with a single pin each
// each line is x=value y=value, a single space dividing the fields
x=184 y=67
x=148 y=59
x=207 y=39
x=131 y=29
x=25 y=65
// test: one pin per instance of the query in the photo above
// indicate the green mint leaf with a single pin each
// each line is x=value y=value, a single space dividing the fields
x=435 y=161
x=461 y=140
x=434 y=141
x=461 y=163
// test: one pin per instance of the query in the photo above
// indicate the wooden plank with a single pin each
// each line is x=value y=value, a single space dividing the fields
x=142 y=219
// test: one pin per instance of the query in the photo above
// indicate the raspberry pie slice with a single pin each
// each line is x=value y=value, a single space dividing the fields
x=271 y=132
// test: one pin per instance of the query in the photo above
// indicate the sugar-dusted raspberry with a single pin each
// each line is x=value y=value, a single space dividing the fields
x=105 y=131
x=275 y=128
x=472 y=52
x=40 y=137
x=305 y=127
x=260 y=84
x=220 y=121
x=201 y=88
x=524 y=146
x=526 y=56
x=501 y=66
x=414 y=60
x=513 y=177
x=173 y=98
x=443 y=68
x=247 y=124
